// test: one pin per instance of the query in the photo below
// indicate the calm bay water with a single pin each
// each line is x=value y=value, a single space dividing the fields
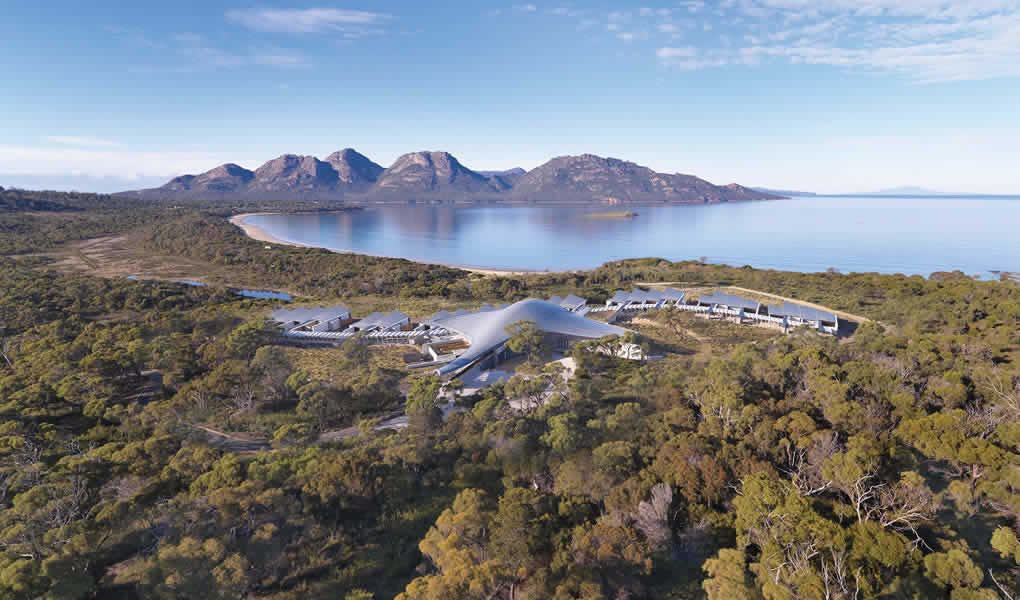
x=887 y=235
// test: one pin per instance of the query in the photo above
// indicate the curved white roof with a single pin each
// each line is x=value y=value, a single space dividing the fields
x=487 y=330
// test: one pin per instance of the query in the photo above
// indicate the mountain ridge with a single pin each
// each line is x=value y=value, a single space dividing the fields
x=782 y=192
x=433 y=172
x=438 y=176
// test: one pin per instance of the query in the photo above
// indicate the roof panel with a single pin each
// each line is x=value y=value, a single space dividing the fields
x=487 y=331
x=728 y=300
x=303 y=315
x=806 y=313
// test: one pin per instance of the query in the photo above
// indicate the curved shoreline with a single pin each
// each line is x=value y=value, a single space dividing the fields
x=257 y=233
x=261 y=235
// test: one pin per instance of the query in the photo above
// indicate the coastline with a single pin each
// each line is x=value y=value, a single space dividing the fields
x=261 y=235
x=257 y=233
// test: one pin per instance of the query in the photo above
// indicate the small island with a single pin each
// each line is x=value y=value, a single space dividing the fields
x=620 y=214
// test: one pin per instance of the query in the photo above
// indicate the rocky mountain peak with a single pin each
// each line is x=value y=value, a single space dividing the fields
x=291 y=172
x=354 y=168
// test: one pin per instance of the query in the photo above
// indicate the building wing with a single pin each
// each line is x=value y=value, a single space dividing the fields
x=486 y=331
x=729 y=300
x=804 y=313
x=295 y=317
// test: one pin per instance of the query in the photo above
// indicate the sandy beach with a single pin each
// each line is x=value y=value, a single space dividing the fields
x=257 y=233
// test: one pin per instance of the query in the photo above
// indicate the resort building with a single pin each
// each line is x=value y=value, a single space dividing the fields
x=334 y=325
x=571 y=302
x=312 y=319
x=787 y=315
x=486 y=331
x=729 y=301
x=717 y=304
x=455 y=341
x=377 y=322
x=639 y=299
x=795 y=315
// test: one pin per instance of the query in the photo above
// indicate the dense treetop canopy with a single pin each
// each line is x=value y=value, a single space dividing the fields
x=157 y=442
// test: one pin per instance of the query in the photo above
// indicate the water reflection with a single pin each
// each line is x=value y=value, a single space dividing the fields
x=907 y=235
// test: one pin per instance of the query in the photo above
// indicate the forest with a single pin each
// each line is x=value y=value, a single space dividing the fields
x=745 y=464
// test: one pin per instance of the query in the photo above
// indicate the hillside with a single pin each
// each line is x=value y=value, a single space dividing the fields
x=354 y=169
x=223 y=179
x=593 y=178
x=162 y=441
x=432 y=176
x=433 y=172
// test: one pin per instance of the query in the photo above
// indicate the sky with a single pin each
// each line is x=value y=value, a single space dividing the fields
x=830 y=96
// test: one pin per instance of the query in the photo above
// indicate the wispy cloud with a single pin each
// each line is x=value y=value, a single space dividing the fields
x=188 y=52
x=563 y=11
x=669 y=53
x=921 y=41
x=924 y=41
x=82 y=142
x=310 y=20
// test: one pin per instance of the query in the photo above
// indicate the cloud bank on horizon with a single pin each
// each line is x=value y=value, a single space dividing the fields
x=901 y=91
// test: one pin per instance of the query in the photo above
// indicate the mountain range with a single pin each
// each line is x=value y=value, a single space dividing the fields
x=348 y=175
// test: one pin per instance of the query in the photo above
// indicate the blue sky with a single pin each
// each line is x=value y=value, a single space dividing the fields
x=823 y=95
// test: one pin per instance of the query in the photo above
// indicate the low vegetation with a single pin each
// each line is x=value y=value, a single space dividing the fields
x=744 y=464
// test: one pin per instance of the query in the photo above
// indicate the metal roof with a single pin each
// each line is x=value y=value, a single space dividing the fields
x=304 y=315
x=571 y=302
x=620 y=297
x=639 y=295
x=804 y=313
x=487 y=330
x=647 y=296
x=441 y=316
x=380 y=320
x=729 y=300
